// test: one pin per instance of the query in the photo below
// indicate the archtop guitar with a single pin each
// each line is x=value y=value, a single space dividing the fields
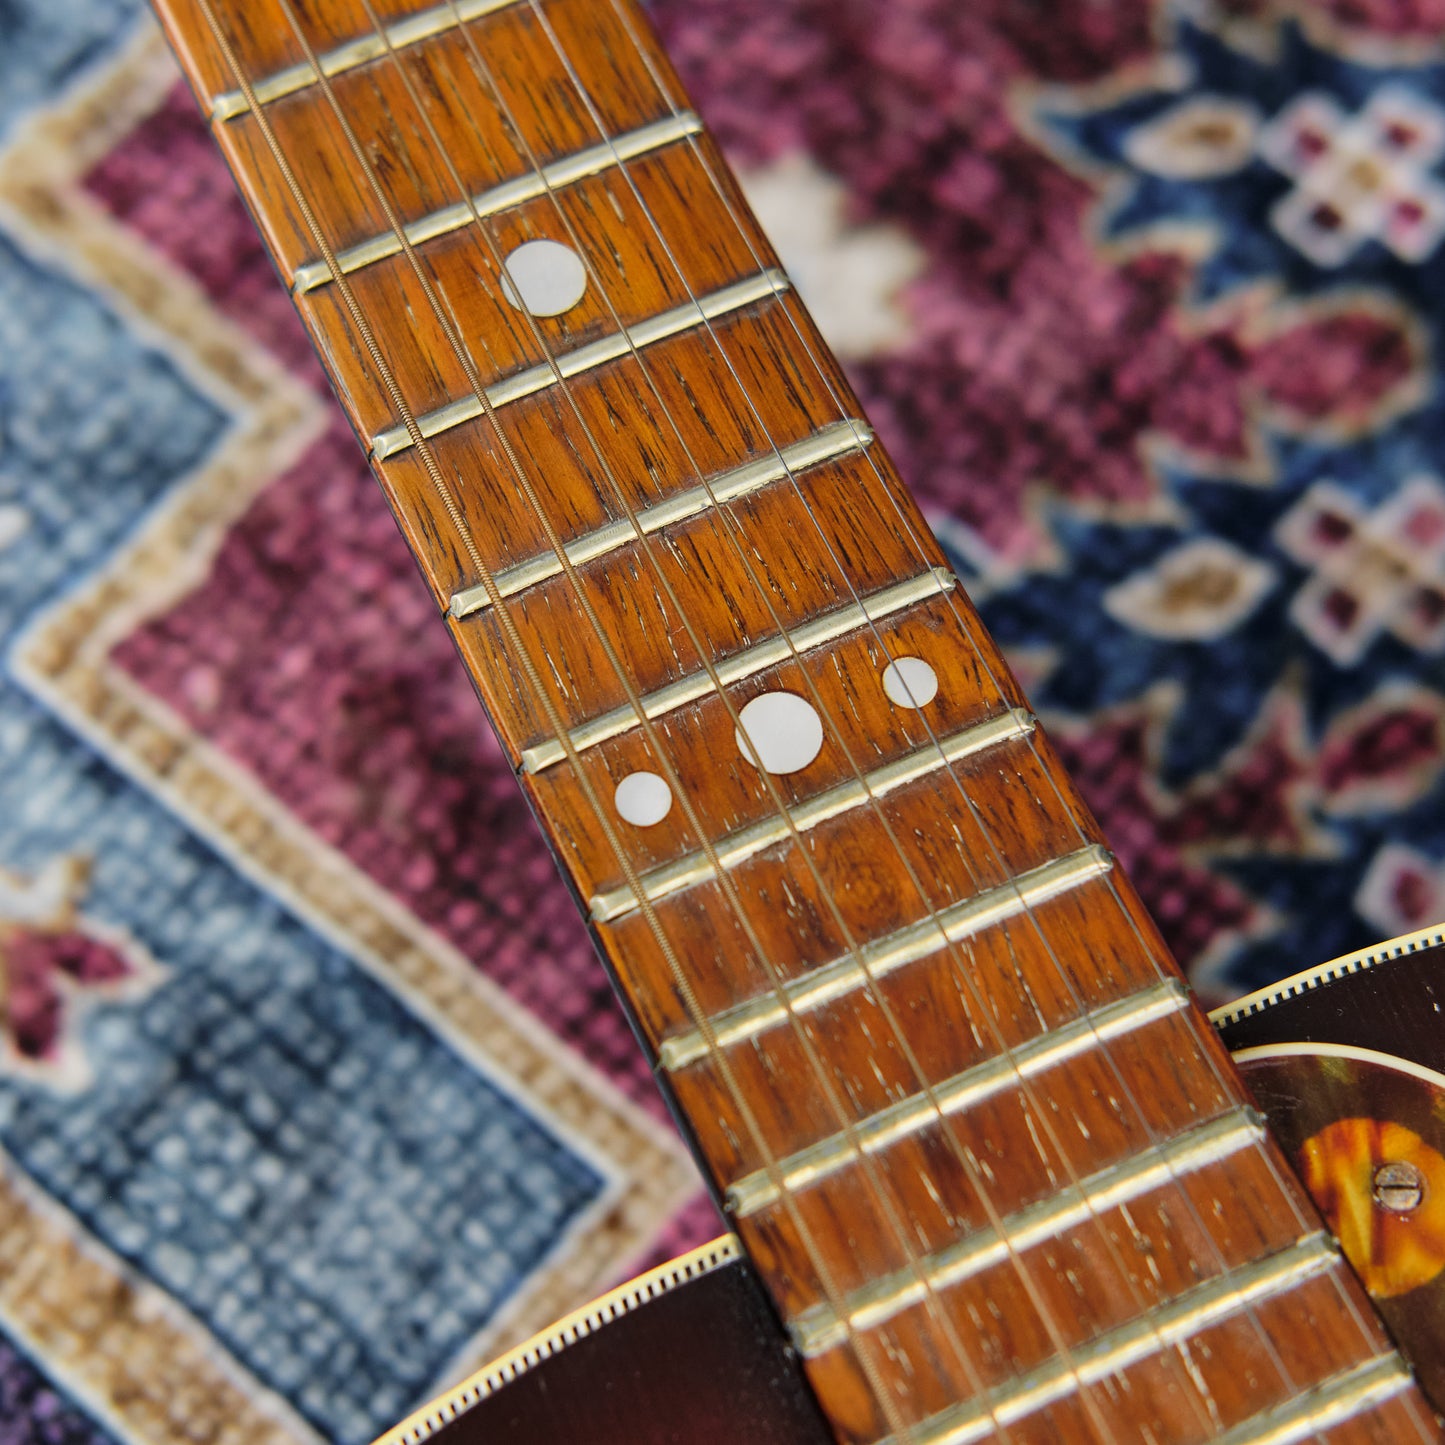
x=992 y=1170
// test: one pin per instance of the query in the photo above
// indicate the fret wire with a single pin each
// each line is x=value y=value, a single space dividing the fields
x=425 y=25
x=668 y=878
x=819 y=1329
x=1286 y=1185
x=818 y=632
x=809 y=1167
x=359 y=320
x=626 y=341
x=1312 y=1255
x=965 y=919
x=453 y=333
x=953 y=1143
x=838 y=440
x=1340 y=1399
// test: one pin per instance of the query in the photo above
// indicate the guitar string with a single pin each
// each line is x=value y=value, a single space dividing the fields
x=493 y=87
x=571 y=230
x=843 y=1118
x=863 y=1349
x=919 y=1073
x=1287 y=1190
x=1285 y=1182
x=696 y=144
x=842 y=411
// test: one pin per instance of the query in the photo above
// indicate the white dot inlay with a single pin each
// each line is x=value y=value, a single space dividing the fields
x=910 y=682
x=780 y=732
x=546 y=277
x=643 y=799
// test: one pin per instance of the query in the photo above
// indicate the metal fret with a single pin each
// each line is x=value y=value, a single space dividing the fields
x=1162 y=1329
x=415 y=28
x=838 y=440
x=1340 y=1399
x=762 y=287
x=818 y=632
x=696 y=867
x=821 y=1328
x=957 y=1095
x=877 y=960
x=559 y=174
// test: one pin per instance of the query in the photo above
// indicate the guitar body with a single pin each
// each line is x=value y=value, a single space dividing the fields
x=692 y=1354
x=1348 y=1065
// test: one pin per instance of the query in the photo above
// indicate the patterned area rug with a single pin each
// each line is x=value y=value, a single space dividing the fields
x=312 y=1094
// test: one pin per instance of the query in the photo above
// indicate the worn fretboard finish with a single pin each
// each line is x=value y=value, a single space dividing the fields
x=991 y=1162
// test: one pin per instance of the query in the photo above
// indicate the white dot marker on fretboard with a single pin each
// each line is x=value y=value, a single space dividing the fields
x=643 y=799
x=546 y=277
x=910 y=682
x=780 y=732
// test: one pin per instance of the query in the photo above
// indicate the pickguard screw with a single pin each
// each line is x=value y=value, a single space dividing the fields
x=1399 y=1187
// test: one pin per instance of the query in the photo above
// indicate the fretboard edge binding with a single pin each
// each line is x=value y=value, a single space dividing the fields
x=764 y=286
x=819 y=632
x=696 y=867
x=551 y=177
x=836 y=440
x=965 y=1090
x=1166 y=1327
x=842 y=976
x=425 y=25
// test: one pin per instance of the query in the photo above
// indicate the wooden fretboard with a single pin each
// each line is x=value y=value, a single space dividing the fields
x=990 y=1160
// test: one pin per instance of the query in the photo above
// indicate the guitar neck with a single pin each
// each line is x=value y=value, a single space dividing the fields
x=990 y=1160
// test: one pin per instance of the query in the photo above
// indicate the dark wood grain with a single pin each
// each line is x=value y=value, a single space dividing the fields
x=378 y=147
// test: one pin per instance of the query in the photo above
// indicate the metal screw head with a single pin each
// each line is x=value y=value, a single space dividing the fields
x=1399 y=1187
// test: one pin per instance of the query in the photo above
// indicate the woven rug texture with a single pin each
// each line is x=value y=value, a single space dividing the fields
x=312 y=1093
